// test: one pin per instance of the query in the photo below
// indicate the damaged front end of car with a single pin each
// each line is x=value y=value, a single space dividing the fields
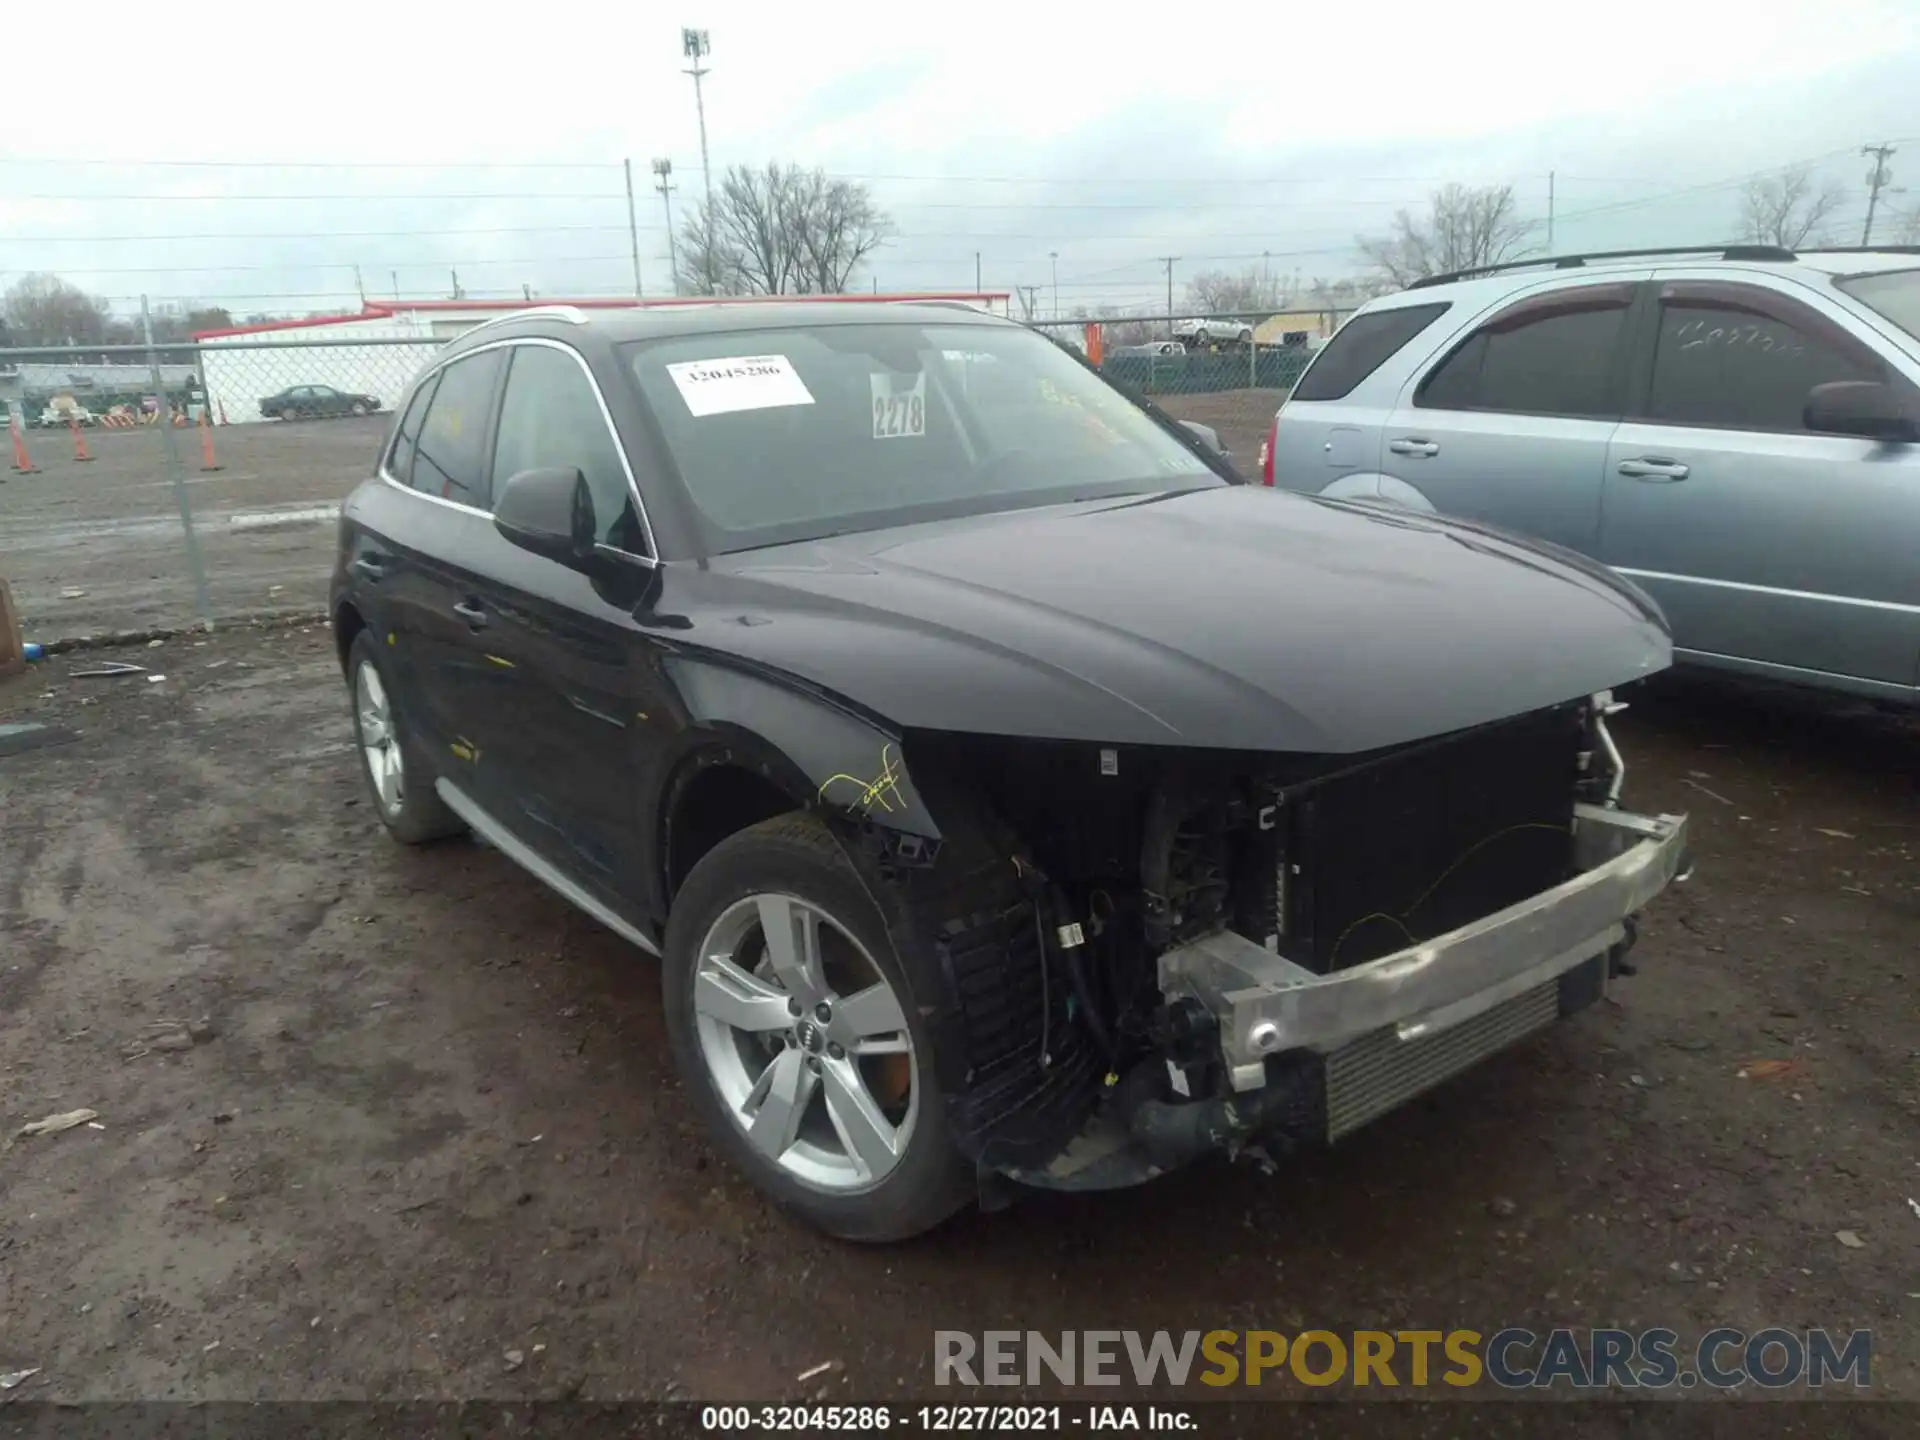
x=1152 y=954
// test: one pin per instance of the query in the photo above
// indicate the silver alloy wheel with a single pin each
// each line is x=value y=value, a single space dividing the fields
x=797 y=1025
x=379 y=741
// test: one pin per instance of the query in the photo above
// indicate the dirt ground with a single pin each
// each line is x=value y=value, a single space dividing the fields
x=97 y=546
x=430 y=1117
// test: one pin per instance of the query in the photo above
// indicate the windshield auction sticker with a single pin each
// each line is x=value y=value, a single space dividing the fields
x=743 y=382
x=899 y=405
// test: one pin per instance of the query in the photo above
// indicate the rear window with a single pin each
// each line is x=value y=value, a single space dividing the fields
x=1362 y=346
x=795 y=434
x=1894 y=293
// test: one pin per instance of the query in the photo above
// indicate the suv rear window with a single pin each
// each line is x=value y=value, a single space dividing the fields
x=1362 y=346
x=1894 y=293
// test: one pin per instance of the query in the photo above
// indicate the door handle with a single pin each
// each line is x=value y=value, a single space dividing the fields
x=1425 y=448
x=471 y=612
x=372 y=567
x=1654 y=469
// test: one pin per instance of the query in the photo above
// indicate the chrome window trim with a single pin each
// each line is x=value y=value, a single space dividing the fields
x=606 y=417
x=1751 y=589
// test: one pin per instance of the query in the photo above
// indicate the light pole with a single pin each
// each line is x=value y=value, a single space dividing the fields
x=695 y=46
x=663 y=182
x=1054 y=256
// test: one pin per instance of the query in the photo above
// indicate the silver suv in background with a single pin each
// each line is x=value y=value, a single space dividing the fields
x=1736 y=429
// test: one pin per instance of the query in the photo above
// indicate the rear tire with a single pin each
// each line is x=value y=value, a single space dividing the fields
x=758 y=1025
x=357 y=409
x=396 y=770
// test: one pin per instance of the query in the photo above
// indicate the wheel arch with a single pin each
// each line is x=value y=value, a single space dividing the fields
x=755 y=746
x=348 y=622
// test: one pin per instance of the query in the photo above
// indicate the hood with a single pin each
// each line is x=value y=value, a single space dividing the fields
x=1238 y=617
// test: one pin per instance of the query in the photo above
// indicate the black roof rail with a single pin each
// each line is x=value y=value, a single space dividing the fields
x=1776 y=253
x=1863 y=249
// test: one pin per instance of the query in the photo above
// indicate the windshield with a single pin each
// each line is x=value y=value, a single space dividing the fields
x=794 y=434
x=1894 y=293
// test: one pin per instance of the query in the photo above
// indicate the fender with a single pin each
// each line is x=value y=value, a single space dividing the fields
x=1371 y=485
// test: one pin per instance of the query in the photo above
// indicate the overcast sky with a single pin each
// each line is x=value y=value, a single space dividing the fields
x=220 y=156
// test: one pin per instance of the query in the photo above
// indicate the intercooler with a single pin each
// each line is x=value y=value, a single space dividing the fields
x=1379 y=1072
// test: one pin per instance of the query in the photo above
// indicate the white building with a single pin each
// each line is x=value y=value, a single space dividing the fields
x=247 y=363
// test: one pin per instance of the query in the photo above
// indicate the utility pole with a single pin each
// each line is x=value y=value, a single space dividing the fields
x=394 y=275
x=976 y=272
x=1877 y=180
x=456 y=285
x=695 y=46
x=360 y=285
x=663 y=173
x=1054 y=256
x=1550 y=178
x=633 y=230
x=1168 y=260
x=526 y=292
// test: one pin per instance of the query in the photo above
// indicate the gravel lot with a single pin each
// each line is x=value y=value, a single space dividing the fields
x=110 y=529
x=432 y=1119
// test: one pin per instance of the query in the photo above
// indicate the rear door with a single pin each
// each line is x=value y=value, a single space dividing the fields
x=1764 y=543
x=411 y=533
x=447 y=475
x=1329 y=427
x=570 y=694
x=1511 y=424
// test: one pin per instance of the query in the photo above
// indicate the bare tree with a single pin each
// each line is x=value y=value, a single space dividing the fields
x=1217 y=292
x=1466 y=226
x=779 y=230
x=1786 y=207
x=43 y=309
x=1906 y=227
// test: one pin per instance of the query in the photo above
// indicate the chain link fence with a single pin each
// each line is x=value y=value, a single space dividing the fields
x=1229 y=371
x=159 y=487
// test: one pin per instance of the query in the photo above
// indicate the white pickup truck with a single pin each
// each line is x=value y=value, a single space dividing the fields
x=62 y=411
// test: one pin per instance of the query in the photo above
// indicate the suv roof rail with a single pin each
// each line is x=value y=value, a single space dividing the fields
x=1863 y=249
x=1776 y=253
x=572 y=314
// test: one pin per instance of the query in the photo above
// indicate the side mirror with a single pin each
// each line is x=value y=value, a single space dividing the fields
x=549 y=512
x=1207 y=436
x=1867 y=408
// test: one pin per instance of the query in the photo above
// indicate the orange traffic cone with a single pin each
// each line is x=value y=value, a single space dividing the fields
x=22 y=461
x=206 y=441
x=80 y=451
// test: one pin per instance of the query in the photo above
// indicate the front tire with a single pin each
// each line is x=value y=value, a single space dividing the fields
x=797 y=1030
x=357 y=409
x=396 y=770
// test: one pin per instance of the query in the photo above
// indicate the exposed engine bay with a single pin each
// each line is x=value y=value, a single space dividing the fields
x=1159 y=891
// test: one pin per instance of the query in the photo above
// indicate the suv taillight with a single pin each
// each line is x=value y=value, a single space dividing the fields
x=1266 y=451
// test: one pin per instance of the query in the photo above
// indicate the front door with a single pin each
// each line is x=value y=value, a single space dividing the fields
x=572 y=693
x=1511 y=426
x=1764 y=543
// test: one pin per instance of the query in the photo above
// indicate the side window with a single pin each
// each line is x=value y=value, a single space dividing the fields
x=1550 y=354
x=407 y=434
x=550 y=417
x=1360 y=347
x=450 y=457
x=1739 y=357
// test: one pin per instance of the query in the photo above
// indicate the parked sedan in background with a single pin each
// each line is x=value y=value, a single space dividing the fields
x=305 y=402
x=1737 y=430
x=1010 y=791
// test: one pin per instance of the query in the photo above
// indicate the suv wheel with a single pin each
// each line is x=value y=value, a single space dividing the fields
x=357 y=409
x=794 y=1026
x=397 y=772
